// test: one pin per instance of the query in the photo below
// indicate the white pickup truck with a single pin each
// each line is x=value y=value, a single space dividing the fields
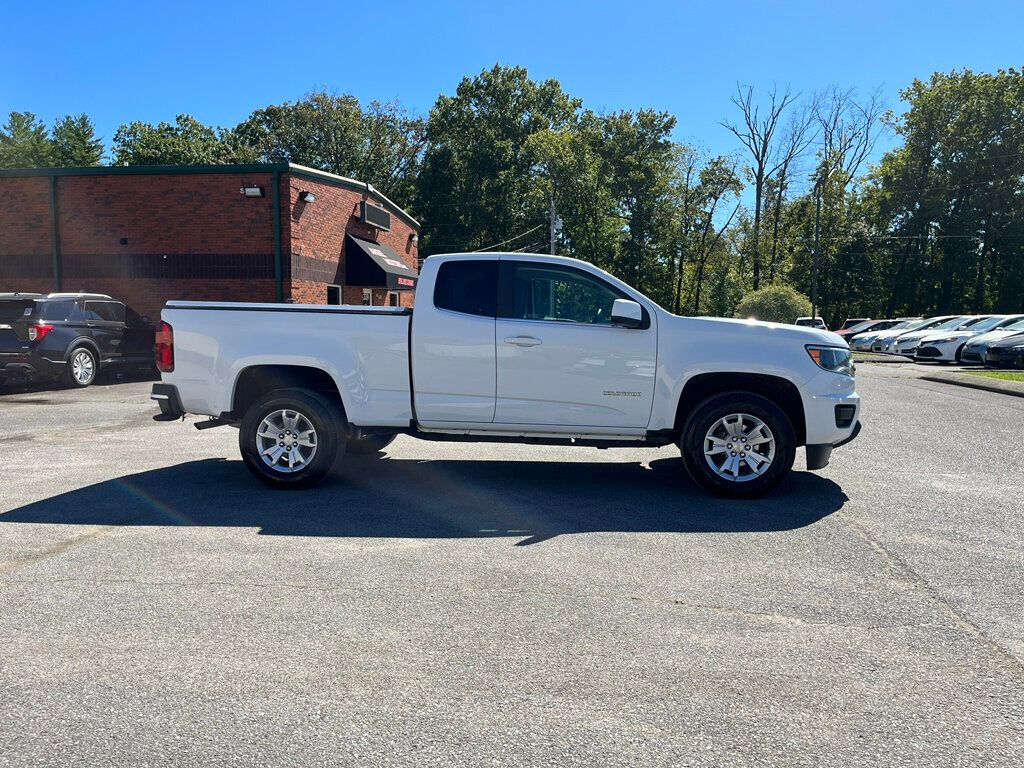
x=508 y=347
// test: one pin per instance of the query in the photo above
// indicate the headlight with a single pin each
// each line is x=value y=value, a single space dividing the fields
x=835 y=359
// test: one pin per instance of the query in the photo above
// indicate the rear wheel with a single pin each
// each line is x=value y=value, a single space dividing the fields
x=369 y=445
x=81 y=368
x=738 y=444
x=289 y=438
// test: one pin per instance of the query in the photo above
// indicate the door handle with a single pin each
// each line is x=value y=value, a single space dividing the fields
x=523 y=341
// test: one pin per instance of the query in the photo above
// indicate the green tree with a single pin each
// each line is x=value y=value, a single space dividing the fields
x=381 y=143
x=25 y=142
x=478 y=187
x=949 y=199
x=641 y=162
x=75 y=142
x=186 y=142
x=775 y=303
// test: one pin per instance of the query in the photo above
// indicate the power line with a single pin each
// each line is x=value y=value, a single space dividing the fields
x=511 y=239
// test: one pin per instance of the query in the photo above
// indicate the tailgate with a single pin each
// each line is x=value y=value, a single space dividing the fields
x=13 y=330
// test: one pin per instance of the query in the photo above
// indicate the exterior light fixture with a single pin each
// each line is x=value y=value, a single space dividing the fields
x=307 y=197
x=252 y=191
x=414 y=238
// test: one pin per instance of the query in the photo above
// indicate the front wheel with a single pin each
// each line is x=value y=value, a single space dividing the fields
x=738 y=444
x=289 y=438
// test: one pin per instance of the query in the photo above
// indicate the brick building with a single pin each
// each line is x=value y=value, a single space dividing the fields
x=147 y=234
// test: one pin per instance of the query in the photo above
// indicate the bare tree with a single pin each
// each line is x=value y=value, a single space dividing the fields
x=800 y=134
x=756 y=134
x=849 y=130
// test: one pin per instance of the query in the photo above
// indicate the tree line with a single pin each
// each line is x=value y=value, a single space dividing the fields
x=937 y=225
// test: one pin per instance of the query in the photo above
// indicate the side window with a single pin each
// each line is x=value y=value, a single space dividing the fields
x=470 y=287
x=106 y=311
x=543 y=292
x=60 y=310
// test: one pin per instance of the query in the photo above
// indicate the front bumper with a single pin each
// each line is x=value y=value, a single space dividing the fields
x=818 y=454
x=972 y=355
x=1004 y=357
x=942 y=353
x=166 y=395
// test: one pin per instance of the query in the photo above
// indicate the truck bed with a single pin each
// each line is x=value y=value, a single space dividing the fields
x=364 y=349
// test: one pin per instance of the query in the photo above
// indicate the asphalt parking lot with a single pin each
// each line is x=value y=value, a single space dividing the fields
x=502 y=605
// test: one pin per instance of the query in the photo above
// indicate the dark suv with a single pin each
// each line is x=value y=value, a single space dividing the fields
x=70 y=336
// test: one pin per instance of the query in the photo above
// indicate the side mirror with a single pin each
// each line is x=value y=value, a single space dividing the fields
x=627 y=314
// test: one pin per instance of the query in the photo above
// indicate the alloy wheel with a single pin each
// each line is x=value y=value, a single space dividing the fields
x=286 y=440
x=82 y=367
x=739 y=447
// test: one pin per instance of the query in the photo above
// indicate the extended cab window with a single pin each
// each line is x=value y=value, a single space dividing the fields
x=549 y=292
x=470 y=287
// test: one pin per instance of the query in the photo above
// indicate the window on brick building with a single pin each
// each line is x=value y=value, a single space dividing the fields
x=393 y=298
x=334 y=295
x=367 y=297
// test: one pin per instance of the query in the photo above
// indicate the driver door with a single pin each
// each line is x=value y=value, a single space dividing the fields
x=560 y=361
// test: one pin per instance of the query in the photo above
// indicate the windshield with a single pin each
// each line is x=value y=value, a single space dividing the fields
x=956 y=322
x=1017 y=325
x=903 y=324
x=988 y=323
x=867 y=324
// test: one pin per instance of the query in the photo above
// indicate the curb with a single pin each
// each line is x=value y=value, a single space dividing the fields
x=882 y=361
x=988 y=385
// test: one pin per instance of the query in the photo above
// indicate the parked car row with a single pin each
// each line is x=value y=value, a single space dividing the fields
x=70 y=337
x=992 y=340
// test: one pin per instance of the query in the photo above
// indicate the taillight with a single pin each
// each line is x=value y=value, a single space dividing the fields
x=164 y=347
x=39 y=331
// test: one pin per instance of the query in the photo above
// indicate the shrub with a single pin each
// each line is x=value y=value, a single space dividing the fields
x=776 y=304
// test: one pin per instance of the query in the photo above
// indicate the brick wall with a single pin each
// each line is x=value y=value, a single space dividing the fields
x=150 y=238
x=26 y=249
x=318 y=241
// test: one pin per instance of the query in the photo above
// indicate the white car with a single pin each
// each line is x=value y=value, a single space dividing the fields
x=907 y=344
x=811 y=322
x=947 y=346
x=508 y=347
x=974 y=349
x=886 y=342
x=861 y=341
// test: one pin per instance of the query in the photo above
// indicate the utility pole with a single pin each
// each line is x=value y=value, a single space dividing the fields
x=818 y=189
x=552 y=230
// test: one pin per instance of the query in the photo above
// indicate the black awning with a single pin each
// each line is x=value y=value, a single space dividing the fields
x=376 y=266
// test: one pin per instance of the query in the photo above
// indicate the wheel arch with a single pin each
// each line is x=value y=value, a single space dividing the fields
x=83 y=341
x=781 y=391
x=254 y=381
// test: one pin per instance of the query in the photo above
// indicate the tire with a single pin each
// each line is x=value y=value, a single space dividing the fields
x=717 y=420
x=299 y=459
x=81 y=368
x=369 y=445
x=959 y=354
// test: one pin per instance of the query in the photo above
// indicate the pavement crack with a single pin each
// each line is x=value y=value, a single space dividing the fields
x=902 y=570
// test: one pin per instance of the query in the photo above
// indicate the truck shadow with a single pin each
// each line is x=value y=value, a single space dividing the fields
x=402 y=498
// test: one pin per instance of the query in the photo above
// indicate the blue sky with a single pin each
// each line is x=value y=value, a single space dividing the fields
x=219 y=61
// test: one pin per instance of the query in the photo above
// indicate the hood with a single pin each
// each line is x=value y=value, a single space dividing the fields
x=990 y=336
x=756 y=329
x=957 y=335
x=1016 y=340
x=916 y=335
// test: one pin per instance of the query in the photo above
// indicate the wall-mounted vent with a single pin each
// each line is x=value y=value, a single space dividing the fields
x=376 y=216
